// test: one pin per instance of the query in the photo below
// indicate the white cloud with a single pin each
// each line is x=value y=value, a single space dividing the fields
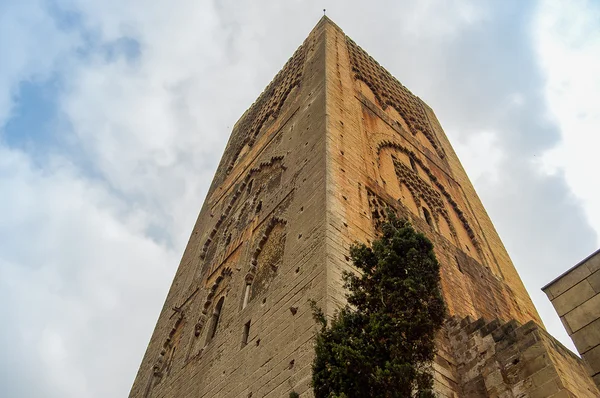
x=71 y=259
x=482 y=156
x=90 y=239
x=31 y=47
x=568 y=44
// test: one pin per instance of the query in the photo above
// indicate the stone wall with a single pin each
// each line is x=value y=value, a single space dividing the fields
x=385 y=148
x=497 y=359
x=575 y=296
x=309 y=169
x=236 y=321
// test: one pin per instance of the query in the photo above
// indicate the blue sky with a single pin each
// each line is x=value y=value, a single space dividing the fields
x=113 y=116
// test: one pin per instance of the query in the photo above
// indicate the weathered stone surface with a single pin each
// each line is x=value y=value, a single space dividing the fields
x=587 y=337
x=579 y=307
x=495 y=360
x=573 y=297
x=313 y=166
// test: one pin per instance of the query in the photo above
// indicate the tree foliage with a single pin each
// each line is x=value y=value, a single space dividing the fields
x=382 y=343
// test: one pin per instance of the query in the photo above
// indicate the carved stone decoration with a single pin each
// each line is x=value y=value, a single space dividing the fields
x=431 y=196
x=267 y=106
x=243 y=206
x=217 y=289
x=379 y=208
x=221 y=282
x=164 y=362
x=390 y=92
x=267 y=256
x=199 y=325
x=420 y=190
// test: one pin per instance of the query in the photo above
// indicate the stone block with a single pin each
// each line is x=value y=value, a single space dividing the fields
x=587 y=337
x=573 y=297
x=593 y=263
x=594 y=281
x=586 y=313
x=567 y=281
x=592 y=357
x=545 y=390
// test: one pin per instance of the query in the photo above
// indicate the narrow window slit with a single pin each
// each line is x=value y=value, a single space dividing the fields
x=245 y=334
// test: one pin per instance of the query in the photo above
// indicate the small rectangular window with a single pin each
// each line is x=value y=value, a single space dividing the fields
x=246 y=334
x=246 y=295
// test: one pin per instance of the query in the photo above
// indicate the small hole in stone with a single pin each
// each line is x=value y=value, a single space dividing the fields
x=257 y=342
x=345 y=198
x=299 y=236
x=516 y=361
x=292 y=363
x=302 y=209
x=347 y=258
x=297 y=269
x=346 y=225
x=264 y=300
x=342 y=152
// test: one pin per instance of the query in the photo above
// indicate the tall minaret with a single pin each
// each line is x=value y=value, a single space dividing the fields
x=309 y=169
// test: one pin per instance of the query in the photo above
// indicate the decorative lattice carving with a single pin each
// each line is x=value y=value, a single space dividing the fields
x=267 y=256
x=268 y=105
x=379 y=208
x=390 y=92
x=420 y=190
x=440 y=187
x=265 y=175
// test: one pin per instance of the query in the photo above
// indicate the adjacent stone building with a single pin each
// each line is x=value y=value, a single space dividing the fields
x=575 y=296
x=311 y=167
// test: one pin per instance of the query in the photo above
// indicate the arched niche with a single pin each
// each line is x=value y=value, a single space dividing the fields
x=266 y=260
x=241 y=208
x=204 y=325
x=163 y=365
x=425 y=188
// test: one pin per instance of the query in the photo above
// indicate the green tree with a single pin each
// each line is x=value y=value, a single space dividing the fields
x=382 y=343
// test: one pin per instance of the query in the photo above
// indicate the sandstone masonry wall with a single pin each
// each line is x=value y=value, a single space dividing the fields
x=312 y=167
x=575 y=296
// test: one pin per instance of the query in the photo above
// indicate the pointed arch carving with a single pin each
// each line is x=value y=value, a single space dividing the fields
x=422 y=191
x=275 y=257
x=273 y=163
x=388 y=91
x=215 y=292
x=164 y=363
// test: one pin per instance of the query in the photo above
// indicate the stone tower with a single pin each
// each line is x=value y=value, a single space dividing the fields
x=309 y=169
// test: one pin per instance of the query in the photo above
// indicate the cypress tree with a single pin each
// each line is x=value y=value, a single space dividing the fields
x=382 y=343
